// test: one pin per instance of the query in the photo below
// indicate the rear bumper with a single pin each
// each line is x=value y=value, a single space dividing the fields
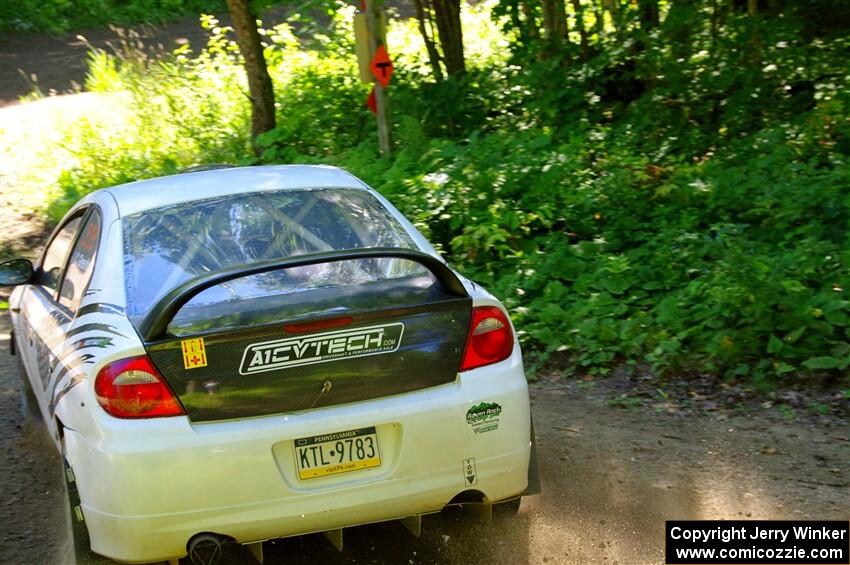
x=148 y=487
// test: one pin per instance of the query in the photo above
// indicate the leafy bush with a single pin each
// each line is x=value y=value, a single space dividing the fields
x=697 y=266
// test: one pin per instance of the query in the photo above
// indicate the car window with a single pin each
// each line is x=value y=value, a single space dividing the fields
x=57 y=253
x=166 y=246
x=81 y=263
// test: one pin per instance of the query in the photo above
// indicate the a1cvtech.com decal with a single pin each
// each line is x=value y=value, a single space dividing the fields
x=320 y=348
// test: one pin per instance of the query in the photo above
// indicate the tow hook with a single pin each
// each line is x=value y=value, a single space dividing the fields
x=205 y=549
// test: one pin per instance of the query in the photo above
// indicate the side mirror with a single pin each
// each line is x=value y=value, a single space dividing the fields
x=15 y=272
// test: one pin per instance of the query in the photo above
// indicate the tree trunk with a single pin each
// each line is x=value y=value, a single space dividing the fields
x=648 y=10
x=755 y=40
x=554 y=19
x=585 y=47
x=447 y=14
x=647 y=21
x=423 y=16
x=752 y=7
x=714 y=25
x=531 y=25
x=599 y=25
x=678 y=26
x=618 y=18
x=260 y=87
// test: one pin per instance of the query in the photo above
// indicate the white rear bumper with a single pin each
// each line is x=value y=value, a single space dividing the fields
x=148 y=486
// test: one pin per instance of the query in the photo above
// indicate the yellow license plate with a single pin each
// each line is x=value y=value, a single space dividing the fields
x=340 y=452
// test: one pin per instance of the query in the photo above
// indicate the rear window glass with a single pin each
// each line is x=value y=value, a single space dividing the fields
x=167 y=246
x=81 y=264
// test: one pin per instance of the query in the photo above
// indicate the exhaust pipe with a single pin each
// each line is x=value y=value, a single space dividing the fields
x=206 y=549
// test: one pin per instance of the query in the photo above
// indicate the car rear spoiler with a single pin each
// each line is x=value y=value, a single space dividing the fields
x=154 y=325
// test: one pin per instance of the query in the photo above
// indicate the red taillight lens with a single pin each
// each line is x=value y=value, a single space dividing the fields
x=133 y=388
x=490 y=338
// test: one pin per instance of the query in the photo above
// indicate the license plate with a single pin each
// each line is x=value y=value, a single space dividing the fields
x=341 y=452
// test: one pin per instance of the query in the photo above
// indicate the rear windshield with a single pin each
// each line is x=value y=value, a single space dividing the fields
x=166 y=246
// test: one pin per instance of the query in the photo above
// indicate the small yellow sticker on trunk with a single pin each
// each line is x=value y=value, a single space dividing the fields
x=194 y=354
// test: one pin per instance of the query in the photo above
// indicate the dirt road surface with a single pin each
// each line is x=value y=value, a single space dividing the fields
x=611 y=477
x=56 y=64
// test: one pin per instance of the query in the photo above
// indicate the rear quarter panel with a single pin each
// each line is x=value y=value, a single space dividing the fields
x=98 y=334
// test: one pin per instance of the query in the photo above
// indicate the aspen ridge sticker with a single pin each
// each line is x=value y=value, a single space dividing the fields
x=194 y=354
x=320 y=348
x=484 y=417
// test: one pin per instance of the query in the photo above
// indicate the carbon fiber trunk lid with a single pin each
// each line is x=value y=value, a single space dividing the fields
x=326 y=347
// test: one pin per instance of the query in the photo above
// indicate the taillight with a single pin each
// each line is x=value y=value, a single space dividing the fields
x=133 y=388
x=490 y=338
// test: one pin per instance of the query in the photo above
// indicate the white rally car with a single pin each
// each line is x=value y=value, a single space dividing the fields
x=242 y=354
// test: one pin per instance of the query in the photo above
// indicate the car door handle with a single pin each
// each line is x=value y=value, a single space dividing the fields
x=16 y=310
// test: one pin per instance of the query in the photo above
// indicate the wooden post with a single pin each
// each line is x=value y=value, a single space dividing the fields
x=374 y=27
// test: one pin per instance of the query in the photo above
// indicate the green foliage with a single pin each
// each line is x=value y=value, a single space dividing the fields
x=698 y=266
x=319 y=96
x=173 y=114
x=680 y=203
x=57 y=16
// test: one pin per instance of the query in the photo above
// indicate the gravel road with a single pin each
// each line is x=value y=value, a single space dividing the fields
x=56 y=64
x=611 y=477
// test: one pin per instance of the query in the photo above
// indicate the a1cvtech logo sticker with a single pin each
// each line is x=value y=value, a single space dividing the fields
x=321 y=348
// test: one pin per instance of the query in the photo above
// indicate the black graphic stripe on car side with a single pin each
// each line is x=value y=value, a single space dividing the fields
x=85 y=358
x=58 y=316
x=47 y=361
x=91 y=327
x=53 y=329
x=71 y=384
x=83 y=343
x=59 y=374
x=104 y=307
